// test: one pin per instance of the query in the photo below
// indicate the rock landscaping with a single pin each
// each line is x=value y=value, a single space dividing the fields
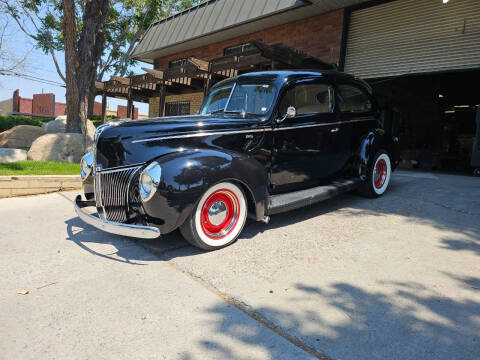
x=60 y=123
x=58 y=147
x=21 y=136
x=46 y=143
x=12 y=155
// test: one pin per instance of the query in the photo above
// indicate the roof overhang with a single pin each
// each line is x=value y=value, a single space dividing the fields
x=220 y=20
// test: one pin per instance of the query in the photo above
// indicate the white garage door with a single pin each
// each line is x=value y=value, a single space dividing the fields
x=413 y=36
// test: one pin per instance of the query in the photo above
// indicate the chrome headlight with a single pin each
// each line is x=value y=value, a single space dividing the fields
x=86 y=165
x=149 y=180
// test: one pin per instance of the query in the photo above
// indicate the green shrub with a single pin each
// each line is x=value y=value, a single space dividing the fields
x=97 y=119
x=9 y=121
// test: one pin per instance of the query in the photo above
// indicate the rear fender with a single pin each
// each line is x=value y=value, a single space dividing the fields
x=373 y=142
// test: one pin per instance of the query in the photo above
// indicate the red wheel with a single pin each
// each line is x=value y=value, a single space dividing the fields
x=218 y=218
x=219 y=214
x=378 y=177
x=380 y=173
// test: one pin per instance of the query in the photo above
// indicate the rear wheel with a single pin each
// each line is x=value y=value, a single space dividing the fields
x=378 y=177
x=218 y=218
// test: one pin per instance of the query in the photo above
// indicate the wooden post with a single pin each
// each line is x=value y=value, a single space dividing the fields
x=161 y=105
x=104 y=107
x=206 y=84
x=129 y=108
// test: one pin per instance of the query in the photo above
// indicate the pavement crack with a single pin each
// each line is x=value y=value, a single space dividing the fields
x=240 y=305
x=460 y=211
x=65 y=197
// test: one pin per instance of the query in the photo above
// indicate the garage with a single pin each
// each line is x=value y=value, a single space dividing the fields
x=422 y=58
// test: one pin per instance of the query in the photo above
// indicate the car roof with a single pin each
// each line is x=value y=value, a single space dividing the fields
x=292 y=74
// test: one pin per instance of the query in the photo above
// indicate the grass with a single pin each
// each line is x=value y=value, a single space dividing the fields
x=29 y=167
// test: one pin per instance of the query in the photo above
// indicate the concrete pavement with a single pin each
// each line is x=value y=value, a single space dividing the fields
x=351 y=278
x=97 y=296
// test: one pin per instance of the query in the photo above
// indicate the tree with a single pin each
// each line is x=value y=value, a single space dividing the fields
x=97 y=36
x=75 y=26
x=126 y=23
x=9 y=60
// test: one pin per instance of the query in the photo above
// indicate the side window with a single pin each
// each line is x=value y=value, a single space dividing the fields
x=353 y=100
x=308 y=99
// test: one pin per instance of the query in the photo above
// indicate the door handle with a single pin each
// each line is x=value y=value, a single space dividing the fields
x=334 y=130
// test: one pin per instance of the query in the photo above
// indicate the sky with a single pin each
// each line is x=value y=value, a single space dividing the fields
x=41 y=65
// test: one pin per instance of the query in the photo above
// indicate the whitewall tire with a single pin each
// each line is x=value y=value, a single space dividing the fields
x=379 y=175
x=218 y=218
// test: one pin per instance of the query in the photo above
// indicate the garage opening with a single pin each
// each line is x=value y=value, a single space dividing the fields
x=436 y=117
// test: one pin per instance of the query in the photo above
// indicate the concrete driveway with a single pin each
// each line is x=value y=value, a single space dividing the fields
x=351 y=278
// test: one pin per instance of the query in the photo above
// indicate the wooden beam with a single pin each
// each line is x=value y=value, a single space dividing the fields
x=200 y=64
x=157 y=74
x=99 y=85
x=121 y=80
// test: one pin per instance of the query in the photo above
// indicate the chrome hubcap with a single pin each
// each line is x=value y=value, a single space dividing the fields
x=217 y=213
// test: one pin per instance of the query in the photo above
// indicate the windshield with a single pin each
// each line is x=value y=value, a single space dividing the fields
x=253 y=99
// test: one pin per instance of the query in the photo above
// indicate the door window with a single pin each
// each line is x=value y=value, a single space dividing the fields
x=353 y=100
x=308 y=99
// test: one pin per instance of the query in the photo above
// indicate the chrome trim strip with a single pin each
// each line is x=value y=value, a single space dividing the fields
x=324 y=124
x=200 y=134
x=119 y=168
x=137 y=231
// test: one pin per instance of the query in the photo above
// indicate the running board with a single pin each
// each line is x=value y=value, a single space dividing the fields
x=294 y=200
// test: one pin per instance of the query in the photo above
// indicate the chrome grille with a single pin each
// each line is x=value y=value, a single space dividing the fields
x=112 y=189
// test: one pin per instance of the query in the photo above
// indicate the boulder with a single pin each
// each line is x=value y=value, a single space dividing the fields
x=60 y=123
x=66 y=147
x=11 y=155
x=21 y=136
x=55 y=126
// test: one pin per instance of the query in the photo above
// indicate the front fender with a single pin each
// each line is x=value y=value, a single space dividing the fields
x=373 y=142
x=186 y=175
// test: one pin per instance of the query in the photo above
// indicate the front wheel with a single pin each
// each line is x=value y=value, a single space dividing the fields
x=218 y=218
x=378 y=177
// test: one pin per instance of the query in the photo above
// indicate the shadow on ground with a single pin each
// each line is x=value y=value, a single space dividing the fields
x=368 y=325
x=406 y=321
x=417 y=201
x=91 y=240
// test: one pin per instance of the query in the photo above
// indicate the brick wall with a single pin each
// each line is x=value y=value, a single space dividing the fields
x=196 y=100
x=122 y=112
x=60 y=109
x=43 y=104
x=25 y=105
x=97 y=108
x=319 y=36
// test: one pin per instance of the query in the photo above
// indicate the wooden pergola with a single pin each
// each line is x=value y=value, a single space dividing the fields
x=200 y=75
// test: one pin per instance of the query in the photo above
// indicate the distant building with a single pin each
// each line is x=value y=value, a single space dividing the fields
x=44 y=105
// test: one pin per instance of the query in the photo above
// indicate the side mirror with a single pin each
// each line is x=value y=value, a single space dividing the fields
x=291 y=113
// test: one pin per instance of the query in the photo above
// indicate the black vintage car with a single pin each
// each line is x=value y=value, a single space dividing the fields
x=262 y=143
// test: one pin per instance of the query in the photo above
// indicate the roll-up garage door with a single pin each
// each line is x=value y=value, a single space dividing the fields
x=413 y=36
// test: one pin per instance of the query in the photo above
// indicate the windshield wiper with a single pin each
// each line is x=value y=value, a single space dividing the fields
x=217 y=111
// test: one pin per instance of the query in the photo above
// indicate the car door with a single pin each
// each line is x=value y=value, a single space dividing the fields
x=303 y=145
x=356 y=112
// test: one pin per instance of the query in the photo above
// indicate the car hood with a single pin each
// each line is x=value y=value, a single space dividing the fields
x=122 y=143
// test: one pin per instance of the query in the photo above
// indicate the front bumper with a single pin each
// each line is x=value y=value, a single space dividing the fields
x=137 y=231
